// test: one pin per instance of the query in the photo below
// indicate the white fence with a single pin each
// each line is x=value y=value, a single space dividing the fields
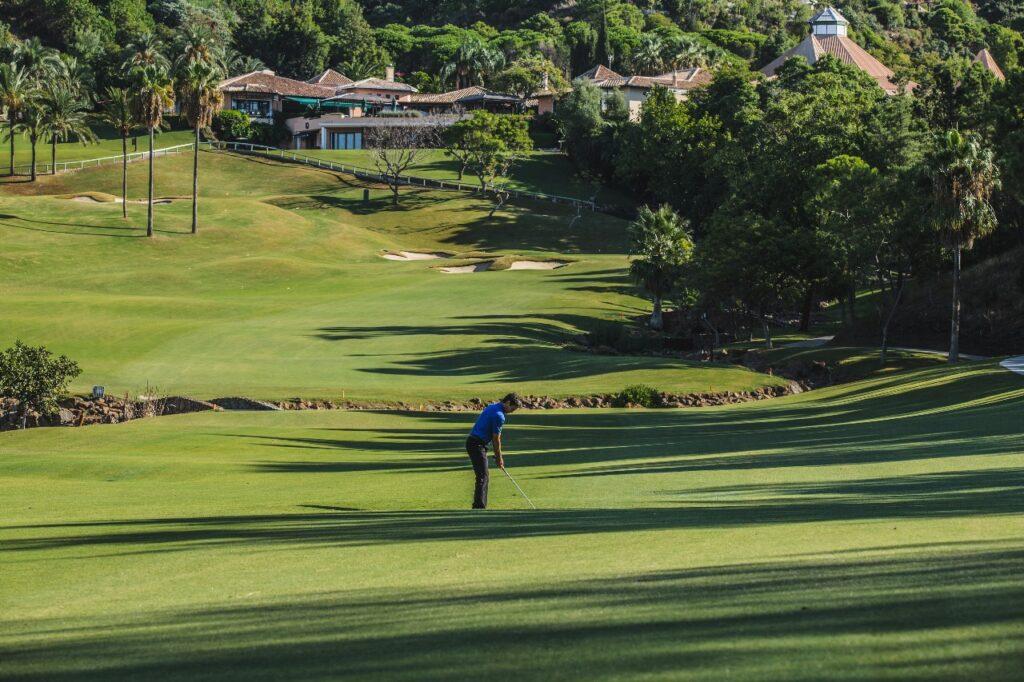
x=362 y=173
x=64 y=166
x=295 y=157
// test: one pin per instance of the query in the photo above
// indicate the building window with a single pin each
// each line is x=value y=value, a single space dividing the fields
x=258 y=108
x=346 y=140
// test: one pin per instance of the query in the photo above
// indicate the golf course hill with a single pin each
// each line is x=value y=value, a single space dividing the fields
x=283 y=293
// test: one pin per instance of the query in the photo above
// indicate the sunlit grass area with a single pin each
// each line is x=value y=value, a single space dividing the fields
x=864 y=531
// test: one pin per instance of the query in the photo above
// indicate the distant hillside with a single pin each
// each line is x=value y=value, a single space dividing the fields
x=992 y=317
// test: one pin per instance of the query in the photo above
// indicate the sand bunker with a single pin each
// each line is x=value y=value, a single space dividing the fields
x=100 y=198
x=414 y=255
x=536 y=265
x=463 y=269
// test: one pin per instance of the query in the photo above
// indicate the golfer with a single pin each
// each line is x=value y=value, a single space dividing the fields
x=488 y=430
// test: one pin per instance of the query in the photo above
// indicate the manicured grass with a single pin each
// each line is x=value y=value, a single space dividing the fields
x=546 y=172
x=109 y=144
x=866 y=531
x=852 y=363
x=284 y=293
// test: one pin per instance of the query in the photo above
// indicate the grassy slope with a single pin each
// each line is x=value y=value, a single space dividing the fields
x=864 y=531
x=546 y=172
x=283 y=292
x=108 y=145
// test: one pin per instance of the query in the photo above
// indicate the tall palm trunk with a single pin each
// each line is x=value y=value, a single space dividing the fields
x=10 y=116
x=33 y=141
x=149 y=207
x=124 y=176
x=53 y=155
x=195 y=184
x=954 y=327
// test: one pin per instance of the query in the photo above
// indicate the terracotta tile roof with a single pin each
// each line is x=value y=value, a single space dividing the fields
x=330 y=78
x=474 y=92
x=682 y=79
x=443 y=97
x=377 y=84
x=986 y=59
x=599 y=73
x=845 y=50
x=267 y=82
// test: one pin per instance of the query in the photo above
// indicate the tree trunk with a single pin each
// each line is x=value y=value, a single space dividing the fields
x=656 y=317
x=33 y=141
x=53 y=155
x=767 y=332
x=805 y=312
x=195 y=184
x=124 y=176
x=852 y=296
x=394 y=193
x=11 y=132
x=149 y=207
x=954 y=327
x=888 y=319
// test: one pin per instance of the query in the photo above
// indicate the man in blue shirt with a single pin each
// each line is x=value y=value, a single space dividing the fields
x=486 y=430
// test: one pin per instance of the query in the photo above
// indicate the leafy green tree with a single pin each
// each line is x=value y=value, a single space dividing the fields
x=473 y=62
x=488 y=145
x=35 y=378
x=661 y=247
x=17 y=91
x=117 y=110
x=65 y=115
x=580 y=121
x=964 y=177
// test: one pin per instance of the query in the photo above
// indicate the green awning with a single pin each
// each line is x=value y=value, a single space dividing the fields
x=313 y=102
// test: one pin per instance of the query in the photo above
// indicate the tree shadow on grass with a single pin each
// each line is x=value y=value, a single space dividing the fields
x=138 y=231
x=952 y=611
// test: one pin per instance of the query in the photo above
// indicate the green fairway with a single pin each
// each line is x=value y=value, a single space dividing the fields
x=284 y=292
x=859 y=532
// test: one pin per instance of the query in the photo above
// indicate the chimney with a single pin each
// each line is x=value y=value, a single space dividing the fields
x=389 y=74
x=544 y=81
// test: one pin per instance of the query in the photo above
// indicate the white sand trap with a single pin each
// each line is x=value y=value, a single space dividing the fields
x=414 y=255
x=463 y=269
x=536 y=265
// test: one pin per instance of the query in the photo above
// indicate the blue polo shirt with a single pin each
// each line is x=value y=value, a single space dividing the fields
x=489 y=423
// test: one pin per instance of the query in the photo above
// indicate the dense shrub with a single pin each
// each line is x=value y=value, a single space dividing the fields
x=640 y=395
x=35 y=377
x=231 y=125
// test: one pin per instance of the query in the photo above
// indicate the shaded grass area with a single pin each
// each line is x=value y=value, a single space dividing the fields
x=284 y=293
x=851 y=363
x=863 y=531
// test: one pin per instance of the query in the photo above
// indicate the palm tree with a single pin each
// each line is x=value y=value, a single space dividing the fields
x=200 y=98
x=647 y=56
x=118 y=112
x=660 y=246
x=38 y=60
x=154 y=92
x=472 y=62
x=33 y=124
x=964 y=176
x=146 y=51
x=16 y=90
x=64 y=115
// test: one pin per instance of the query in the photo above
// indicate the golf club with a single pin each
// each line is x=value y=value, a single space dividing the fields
x=519 y=489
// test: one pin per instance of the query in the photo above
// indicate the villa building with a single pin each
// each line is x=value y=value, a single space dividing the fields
x=829 y=36
x=680 y=82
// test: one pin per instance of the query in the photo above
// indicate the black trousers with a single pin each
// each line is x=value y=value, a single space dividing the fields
x=477 y=451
